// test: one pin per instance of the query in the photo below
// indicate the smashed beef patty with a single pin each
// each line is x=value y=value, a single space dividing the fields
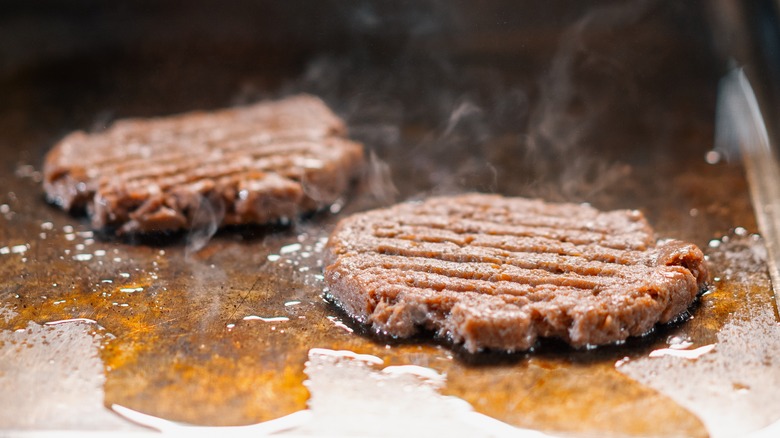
x=254 y=164
x=498 y=273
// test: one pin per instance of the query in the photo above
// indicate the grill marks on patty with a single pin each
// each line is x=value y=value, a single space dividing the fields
x=258 y=164
x=495 y=272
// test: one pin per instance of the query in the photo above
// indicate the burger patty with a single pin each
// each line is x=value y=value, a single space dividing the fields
x=255 y=164
x=494 y=272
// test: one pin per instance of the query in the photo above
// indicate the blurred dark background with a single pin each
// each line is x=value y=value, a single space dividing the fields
x=559 y=99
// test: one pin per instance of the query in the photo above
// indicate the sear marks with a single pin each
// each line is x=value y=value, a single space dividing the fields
x=497 y=273
x=256 y=164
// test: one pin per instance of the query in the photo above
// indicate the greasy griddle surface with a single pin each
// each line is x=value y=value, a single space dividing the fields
x=469 y=120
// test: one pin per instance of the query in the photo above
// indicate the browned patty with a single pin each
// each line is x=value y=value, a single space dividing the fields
x=497 y=273
x=257 y=164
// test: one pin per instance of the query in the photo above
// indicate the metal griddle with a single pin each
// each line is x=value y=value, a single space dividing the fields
x=612 y=104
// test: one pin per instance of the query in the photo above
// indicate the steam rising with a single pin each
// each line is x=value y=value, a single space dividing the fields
x=436 y=121
x=448 y=126
x=205 y=222
x=379 y=180
x=462 y=113
x=586 y=81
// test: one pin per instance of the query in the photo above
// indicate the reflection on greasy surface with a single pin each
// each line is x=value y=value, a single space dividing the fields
x=55 y=376
x=220 y=336
x=727 y=386
x=351 y=395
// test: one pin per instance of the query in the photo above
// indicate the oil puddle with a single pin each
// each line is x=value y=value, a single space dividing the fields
x=354 y=395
